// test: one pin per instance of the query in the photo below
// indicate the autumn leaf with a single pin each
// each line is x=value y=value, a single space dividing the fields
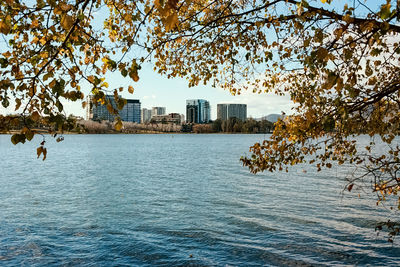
x=29 y=135
x=118 y=125
x=338 y=65
x=134 y=75
x=385 y=12
x=39 y=151
x=130 y=89
x=322 y=53
x=171 y=21
x=35 y=116
x=350 y=187
x=66 y=22
x=17 y=103
x=5 y=25
x=44 y=153
x=18 y=138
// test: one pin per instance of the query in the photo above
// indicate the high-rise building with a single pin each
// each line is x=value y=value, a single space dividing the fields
x=198 y=111
x=145 y=115
x=130 y=112
x=155 y=111
x=226 y=111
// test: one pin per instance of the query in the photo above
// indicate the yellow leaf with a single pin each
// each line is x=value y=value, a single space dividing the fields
x=118 y=125
x=130 y=89
x=110 y=109
x=323 y=1
x=52 y=83
x=135 y=77
x=66 y=22
x=57 y=10
x=35 y=40
x=7 y=54
x=171 y=21
x=65 y=7
x=91 y=78
x=35 y=23
x=4 y=27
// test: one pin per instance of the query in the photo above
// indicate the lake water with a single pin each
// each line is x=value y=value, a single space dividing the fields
x=177 y=200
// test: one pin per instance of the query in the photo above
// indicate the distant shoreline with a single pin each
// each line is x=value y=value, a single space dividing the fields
x=74 y=133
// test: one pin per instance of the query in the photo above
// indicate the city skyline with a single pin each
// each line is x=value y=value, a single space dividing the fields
x=155 y=90
x=197 y=111
x=224 y=111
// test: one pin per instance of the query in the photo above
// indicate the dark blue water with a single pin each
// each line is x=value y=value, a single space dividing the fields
x=177 y=200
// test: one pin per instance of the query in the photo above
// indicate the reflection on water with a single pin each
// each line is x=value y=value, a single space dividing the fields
x=106 y=200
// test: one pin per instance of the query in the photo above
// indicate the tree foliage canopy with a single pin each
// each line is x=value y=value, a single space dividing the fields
x=338 y=61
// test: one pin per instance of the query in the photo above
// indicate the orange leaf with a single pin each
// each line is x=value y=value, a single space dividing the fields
x=35 y=116
x=39 y=151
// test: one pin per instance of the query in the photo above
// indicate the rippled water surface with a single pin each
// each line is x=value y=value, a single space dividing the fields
x=146 y=200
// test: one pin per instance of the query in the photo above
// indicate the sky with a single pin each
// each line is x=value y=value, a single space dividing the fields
x=156 y=90
x=153 y=90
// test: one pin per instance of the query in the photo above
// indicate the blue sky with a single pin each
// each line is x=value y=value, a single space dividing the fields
x=156 y=90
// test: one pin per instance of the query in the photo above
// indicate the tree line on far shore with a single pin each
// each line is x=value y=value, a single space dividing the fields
x=234 y=125
x=76 y=125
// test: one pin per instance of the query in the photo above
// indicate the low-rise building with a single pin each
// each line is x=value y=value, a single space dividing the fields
x=170 y=118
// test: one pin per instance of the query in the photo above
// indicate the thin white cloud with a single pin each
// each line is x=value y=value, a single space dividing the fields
x=262 y=104
x=153 y=96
